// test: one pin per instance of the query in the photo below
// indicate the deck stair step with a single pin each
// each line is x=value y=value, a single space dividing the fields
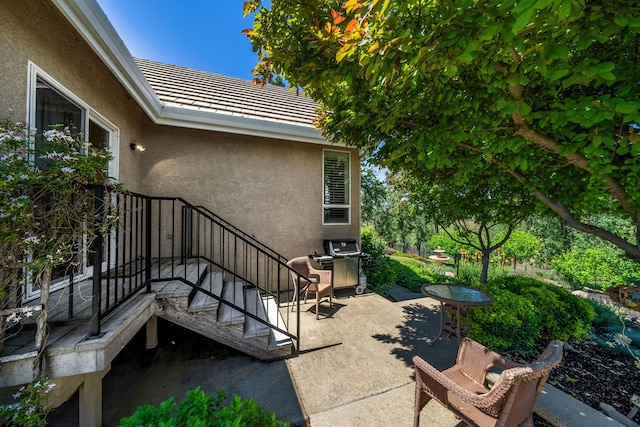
x=212 y=282
x=253 y=304
x=171 y=289
x=197 y=273
x=276 y=339
x=183 y=304
x=177 y=288
x=234 y=293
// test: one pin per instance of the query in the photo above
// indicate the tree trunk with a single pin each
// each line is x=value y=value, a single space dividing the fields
x=485 y=267
x=41 y=322
x=9 y=278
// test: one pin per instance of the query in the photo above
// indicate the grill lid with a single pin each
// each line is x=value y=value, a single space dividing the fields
x=341 y=247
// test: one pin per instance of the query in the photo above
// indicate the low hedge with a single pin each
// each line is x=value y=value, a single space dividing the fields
x=412 y=274
x=527 y=312
x=563 y=316
x=510 y=324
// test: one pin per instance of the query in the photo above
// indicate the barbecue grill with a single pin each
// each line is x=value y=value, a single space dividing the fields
x=343 y=256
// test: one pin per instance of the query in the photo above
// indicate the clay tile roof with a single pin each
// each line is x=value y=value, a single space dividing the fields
x=205 y=91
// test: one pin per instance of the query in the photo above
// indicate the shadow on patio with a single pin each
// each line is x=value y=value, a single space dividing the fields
x=354 y=367
x=413 y=336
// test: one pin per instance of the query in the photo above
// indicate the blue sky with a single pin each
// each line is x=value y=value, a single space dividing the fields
x=200 y=34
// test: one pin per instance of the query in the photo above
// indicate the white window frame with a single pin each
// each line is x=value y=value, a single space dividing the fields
x=348 y=186
x=35 y=72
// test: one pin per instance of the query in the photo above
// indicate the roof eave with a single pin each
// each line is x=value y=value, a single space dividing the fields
x=219 y=122
x=93 y=25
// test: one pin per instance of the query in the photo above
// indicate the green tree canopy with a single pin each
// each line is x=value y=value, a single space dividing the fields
x=521 y=246
x=542 y=92
x=474 y=214
x=373 y=195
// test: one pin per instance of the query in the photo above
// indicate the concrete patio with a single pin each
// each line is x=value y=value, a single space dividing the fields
x=361 y=373
x=354 y=368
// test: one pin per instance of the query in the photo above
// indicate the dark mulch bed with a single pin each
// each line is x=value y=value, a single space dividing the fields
x=594 y=374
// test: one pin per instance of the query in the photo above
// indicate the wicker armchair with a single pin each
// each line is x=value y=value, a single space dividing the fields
x=465 y=389
x=312 y=280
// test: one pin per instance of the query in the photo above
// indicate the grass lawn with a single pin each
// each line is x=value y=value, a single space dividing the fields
x=412 y=273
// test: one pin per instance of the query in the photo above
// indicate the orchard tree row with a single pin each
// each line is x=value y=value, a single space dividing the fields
x=409 y=225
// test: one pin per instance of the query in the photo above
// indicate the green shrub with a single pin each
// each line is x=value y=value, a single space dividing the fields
x=510 y=324
x=371 y=242
x=526 y=312
x=31 y=408
x=409 y=274
x=596 y=268
x=380 y=275
x=202 y=410
x=561 y=315
x=605 y=315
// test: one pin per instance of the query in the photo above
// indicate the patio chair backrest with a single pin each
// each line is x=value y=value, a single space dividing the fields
x=528 y=382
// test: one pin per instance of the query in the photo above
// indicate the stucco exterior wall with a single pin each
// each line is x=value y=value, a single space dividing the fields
x=34 y=30
x=269 y=188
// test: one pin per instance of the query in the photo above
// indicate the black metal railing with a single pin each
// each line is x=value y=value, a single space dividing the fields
x=151 y=239
x=154 y=236
x=125 y=259
x=241 y=233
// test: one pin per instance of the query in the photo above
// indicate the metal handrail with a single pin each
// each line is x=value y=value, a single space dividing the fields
x=230 y=265
x=242 y=233
x=170 y=228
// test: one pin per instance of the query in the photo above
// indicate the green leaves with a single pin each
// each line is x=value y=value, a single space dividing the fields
x=30 y=408
x=43 y=202
x=523 y=18
x=524 y=108
x=628 y=107
x=202 y=410
x=558 y=74
x=555 y=78
x=565 y=9
x=489 y=32
x=602 y=70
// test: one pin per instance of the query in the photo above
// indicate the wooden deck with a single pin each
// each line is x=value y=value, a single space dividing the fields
x=71 y=350
x=114 y=288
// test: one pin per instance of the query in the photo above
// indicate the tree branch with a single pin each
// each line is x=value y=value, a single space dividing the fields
x=631 y=251
x=576 y=159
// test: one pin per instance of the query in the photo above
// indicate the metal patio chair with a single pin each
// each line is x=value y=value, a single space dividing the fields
x=470 y=393
x=319 y=281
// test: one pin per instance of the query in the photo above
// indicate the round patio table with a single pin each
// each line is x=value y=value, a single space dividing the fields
x=455 y=300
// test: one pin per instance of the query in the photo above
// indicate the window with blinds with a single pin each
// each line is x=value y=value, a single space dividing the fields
x=336 y=188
